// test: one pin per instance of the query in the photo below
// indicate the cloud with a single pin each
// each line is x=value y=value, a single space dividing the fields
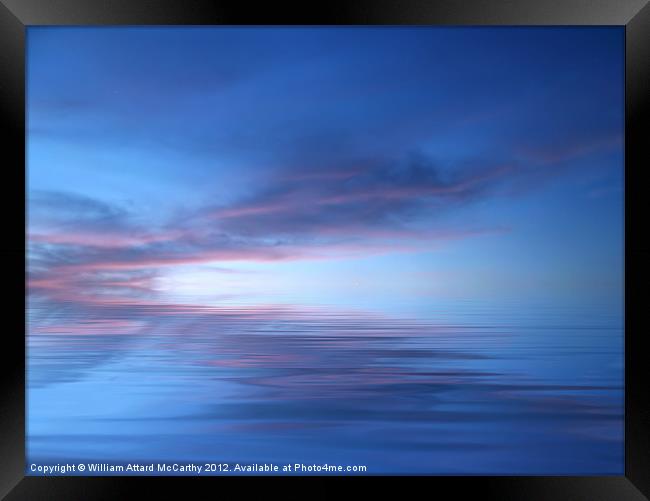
x=341 y=210
x=368 y=197
x=81 y=247
x=61 y=208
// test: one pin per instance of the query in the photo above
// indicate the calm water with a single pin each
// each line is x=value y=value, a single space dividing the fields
x=471 y=389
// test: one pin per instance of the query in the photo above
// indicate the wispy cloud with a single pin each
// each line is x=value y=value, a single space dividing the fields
x=345 y=209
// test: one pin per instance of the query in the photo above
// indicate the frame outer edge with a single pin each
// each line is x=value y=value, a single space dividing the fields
x=12 y=43
x=637 y=275
x=12 y=251
x=418 y=12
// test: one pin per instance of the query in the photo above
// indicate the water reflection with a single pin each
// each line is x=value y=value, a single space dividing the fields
x=170 y=382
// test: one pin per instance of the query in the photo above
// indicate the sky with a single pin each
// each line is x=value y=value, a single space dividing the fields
x=366 y=167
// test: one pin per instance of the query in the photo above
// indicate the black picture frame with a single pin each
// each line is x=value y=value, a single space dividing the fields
x=634 y=15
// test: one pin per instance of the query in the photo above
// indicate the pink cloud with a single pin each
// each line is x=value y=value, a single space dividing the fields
x=110 y=240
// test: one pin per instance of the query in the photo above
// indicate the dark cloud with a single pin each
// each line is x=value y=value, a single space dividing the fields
x=367 y=196
x=62 y=209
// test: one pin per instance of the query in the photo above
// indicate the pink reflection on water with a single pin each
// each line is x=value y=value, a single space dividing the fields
x=91 y=327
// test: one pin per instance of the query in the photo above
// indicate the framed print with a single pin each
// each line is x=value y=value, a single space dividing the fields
x=370 y=240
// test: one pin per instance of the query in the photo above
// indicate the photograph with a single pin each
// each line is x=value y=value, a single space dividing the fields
x=325 y=250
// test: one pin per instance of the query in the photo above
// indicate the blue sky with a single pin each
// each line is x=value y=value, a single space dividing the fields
x=362 y=166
